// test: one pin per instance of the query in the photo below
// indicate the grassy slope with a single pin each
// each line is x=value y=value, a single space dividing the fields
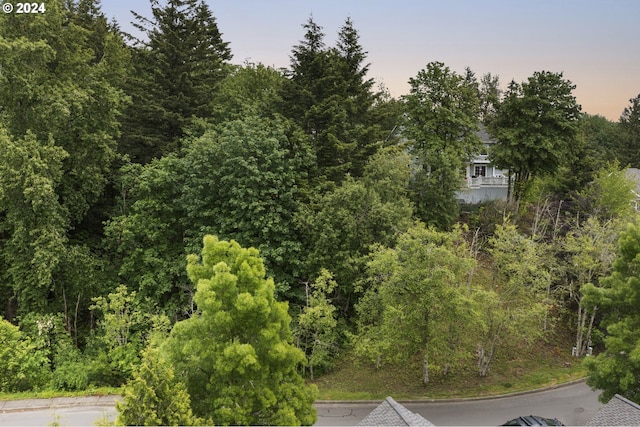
x=513 y=370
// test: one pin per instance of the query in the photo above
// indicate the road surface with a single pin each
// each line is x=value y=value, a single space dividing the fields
x=573 y=404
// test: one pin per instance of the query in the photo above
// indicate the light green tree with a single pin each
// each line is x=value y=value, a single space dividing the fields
x=236 y=354
x=514 y=307
x=155 y=397
x=22 y=367
x=592 y=250
x=611 y=193
x=616 y=369
x=315 y=330
x=418 y=301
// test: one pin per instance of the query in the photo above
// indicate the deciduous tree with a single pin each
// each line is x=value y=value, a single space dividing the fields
x=442 y=117
x=535 y=126
x=422 y=303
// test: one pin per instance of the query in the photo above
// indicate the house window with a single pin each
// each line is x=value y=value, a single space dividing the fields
x=480 y=171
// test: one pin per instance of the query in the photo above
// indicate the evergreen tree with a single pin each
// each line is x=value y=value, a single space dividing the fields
x=155 y=397
x=329 y=96
x=176 y=73
x=236 y=355
x=616 y=370
x=629 y=144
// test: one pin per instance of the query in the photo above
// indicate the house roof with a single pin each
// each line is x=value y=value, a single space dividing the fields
x=391 y=413
x=618 y=412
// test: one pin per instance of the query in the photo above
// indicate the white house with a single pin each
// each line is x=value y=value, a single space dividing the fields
x=483 y=181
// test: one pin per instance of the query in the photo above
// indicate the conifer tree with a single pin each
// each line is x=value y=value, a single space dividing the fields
x=330 y=97
x=176 y=73
x=236 y=355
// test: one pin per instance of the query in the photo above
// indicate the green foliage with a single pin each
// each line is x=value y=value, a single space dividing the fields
x=341 y=228
x=315 y=330
x=515 y=307
x=245 y=182
x=330 y=98
x=33 y=223
x=236 y=355
x=22 y=367
x=123 y=328
x=615 y=370
x=442 y=115
x=422 y=304
x=155 y=397
x=61 y=101
x=611 y=195
x=591 y=249
x=148 y=235
x=535 y=126
x=249 y=90
x=629 y=142
x=175 y=75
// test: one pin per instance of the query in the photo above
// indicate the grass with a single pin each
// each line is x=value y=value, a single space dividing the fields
x=512 y=372
x=48 y=394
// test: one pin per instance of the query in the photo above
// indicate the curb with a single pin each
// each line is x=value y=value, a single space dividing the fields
x=56 y=402
x=460 y=399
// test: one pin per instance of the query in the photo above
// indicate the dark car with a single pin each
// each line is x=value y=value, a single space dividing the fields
x=533 y=420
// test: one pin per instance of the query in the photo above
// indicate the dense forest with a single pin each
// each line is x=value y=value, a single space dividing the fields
x=189 y=226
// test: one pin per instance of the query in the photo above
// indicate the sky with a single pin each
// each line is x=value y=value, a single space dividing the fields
x=594 y=43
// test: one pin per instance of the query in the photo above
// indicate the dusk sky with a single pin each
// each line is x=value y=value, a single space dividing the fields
x=595 y=43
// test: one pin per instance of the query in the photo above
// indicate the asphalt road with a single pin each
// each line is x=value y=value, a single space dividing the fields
x=573 y=404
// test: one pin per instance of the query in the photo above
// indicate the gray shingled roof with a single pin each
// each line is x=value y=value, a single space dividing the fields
x=618 y=412
x=391 y=413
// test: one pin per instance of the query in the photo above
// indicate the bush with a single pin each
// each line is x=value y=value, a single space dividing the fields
x=22 y=366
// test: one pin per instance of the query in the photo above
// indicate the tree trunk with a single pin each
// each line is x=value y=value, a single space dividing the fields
x=425 y=369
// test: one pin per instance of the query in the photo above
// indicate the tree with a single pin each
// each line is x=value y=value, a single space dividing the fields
x=616 y=369
x=490 y=93
x=176 y=73
x=147 y=237
x=22 y=367
x=61 y=97
x=515 y=305
x=155 y=397
x=249 y=90
x=629 y=143
x=610 y=195
x=535 y=126
x=121 y=335
x=315 y=330
x=236 y=355
x=592 y=249
x=341 y=227
x=330 y=98
x=246 y=181
x=422 y=305
x=442 y=113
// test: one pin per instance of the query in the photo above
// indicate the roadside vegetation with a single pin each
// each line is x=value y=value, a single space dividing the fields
x=224 y=244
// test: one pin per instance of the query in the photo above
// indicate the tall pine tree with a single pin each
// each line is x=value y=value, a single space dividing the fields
x=330 y=97
x=176 y=74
